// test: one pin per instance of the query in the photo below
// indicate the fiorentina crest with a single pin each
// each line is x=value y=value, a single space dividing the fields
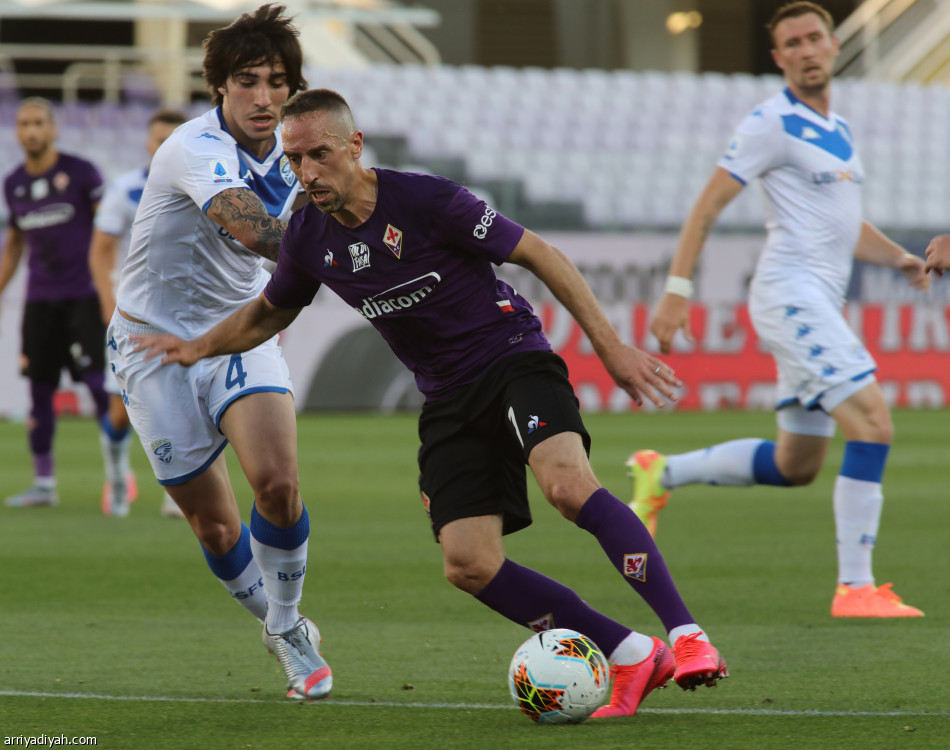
x=392 y=238
x=635 y=566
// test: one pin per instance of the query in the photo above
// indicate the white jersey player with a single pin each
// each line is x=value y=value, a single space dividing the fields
x=113 y=220
x=804 y=158
x=208 y=273
x=215 y=205
x=184 y=272
x=811 y=175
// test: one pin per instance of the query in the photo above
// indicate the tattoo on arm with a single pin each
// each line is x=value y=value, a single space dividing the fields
x=242 y=214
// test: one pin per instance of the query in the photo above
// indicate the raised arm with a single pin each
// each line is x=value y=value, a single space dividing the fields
x=638 y=373
x=875 y=247
x=243 y=329
x=672 y=311
x=242 y=213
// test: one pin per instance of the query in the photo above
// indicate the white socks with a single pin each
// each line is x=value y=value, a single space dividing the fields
x=632 y=650
x=729 y=464
x=680 y=630
x=248 y=590
x=636 y=647
x=283 y=571
x=858 y=505
x=116 y=455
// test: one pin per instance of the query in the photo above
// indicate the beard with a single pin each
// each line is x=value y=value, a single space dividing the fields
x=814 y=82
x=333 y=205
x=36 y=150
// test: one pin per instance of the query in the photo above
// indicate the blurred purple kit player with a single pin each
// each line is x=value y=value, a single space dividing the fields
x=51 y=199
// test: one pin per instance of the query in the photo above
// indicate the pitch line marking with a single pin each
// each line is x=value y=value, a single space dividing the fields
x=462 y=706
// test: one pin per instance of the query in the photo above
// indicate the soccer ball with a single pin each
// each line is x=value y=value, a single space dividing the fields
x=558 y=677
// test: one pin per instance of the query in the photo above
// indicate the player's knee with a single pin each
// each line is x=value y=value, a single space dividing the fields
x=567 y=495
x=799 y=469
x=800 y=476
x=215 y=536
x=882 y=430
x=469 y=576
x=277 y=491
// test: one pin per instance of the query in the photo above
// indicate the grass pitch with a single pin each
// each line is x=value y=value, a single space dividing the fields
x=115 y=629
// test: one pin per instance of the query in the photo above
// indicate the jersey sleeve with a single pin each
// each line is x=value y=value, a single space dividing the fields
x=756 y=147
x=290 y=285
x=472 y=225
x=112 y=216
x=208 y=165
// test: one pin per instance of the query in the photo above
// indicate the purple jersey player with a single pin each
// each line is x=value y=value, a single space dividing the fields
x=51 y=199
x=413 y=254
x=419 y=270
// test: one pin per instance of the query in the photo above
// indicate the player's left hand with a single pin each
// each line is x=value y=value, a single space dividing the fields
x=642 y=375
x=169 y=347
x=913 y=268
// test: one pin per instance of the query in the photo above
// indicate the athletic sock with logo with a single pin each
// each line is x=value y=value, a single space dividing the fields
x=858 y=502
x=632 y=551
x=238 y=571
x=281 y=555
x=535 y=601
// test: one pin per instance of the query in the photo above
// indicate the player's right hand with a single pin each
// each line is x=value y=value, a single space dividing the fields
x=938 y=255
x=671 y=314
x=169 y=347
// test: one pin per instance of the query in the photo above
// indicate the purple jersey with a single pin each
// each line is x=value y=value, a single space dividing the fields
x=54 y=210
x=420 y=270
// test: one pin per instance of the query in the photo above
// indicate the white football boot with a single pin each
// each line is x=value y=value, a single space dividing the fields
x=308 y=675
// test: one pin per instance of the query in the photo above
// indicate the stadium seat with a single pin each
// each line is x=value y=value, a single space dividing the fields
x=633 y=147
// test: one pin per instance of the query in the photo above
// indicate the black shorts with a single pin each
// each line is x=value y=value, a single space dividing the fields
x=475 y=444
x=62 y=333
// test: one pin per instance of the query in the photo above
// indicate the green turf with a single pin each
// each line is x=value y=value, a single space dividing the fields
x=126 y=610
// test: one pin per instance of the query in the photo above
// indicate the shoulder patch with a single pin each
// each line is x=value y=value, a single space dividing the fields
x=219 y=172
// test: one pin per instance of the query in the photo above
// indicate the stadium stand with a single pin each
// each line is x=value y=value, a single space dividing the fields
x=581 y=149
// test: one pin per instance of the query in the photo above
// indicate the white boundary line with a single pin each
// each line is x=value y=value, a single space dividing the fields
x=463 y=706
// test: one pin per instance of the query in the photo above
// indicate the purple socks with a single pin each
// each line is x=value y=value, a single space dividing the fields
x=633 y=552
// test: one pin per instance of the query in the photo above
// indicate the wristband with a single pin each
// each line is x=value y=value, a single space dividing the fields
x=679 y=285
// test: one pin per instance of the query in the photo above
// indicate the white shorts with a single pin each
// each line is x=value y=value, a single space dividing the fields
x=176 y=411
x=820 y=361
x=111 y=383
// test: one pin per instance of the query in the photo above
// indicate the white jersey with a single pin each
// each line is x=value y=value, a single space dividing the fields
x=184 y=272
x=116 y=210
x=811 y=175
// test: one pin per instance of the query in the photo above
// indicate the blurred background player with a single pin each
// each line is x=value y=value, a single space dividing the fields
x=216 y=202
x=51 y=199
x=113 y=220
x=811 y=174
x=496 y=396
